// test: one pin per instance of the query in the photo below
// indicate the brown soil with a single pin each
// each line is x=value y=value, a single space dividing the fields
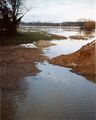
x=43 y=43
x=16 y=62
x=58 y=36
x=78 y=37
x=83 y=61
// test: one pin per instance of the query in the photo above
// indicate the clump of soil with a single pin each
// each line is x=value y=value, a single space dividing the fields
x=83 y=61
x=78 y=37
x=43 y=43
x=58 y=36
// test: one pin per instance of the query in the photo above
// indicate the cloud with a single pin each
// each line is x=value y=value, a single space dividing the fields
x=59 y=10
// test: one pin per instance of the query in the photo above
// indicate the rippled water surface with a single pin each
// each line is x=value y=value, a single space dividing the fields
x=54 y=93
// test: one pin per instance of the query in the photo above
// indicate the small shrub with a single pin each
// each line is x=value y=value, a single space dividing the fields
x=89 y=25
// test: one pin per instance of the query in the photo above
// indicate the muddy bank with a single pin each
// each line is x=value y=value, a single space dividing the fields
x=82 y=62
x=78 y=37
x=58 y=36
x=16 y=62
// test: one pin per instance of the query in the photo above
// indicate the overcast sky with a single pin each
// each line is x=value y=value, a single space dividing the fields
x=59 y=10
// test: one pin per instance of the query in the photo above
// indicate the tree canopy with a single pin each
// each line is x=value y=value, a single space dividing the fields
x=11 y=12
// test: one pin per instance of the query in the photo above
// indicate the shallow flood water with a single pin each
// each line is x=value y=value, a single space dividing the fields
x=58 y=94
x=54 y=93
x=65 y=47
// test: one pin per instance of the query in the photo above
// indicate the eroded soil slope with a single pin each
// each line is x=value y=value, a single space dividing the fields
x=83 y=61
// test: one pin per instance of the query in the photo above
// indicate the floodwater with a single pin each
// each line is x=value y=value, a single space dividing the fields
x=54 y=93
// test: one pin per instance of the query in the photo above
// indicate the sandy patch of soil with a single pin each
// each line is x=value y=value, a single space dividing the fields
x=43 y=44
x=83 y=61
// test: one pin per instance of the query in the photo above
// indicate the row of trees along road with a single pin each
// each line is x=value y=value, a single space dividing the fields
x=11 y=13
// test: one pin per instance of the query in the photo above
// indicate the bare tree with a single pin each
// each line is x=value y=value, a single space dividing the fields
x=11 y=13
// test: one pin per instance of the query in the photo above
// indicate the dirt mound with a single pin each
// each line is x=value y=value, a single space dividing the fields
x=43 y=44
x=83 y=61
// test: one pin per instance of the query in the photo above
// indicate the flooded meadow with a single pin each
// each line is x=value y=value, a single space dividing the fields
x=43 y=91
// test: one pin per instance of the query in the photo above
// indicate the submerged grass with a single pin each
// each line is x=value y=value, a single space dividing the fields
x=25 y=37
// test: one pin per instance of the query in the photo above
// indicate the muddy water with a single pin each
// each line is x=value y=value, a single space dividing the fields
x=54 y=93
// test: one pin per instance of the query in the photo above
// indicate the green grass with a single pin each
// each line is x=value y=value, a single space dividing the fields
x=25 y=37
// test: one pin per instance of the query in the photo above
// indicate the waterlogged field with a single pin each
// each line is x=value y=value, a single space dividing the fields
x=54 y=92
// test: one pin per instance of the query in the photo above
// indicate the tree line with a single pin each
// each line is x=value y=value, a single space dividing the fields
x=85 y=24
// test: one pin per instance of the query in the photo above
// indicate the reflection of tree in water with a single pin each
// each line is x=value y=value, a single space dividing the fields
x=88 y=33
x=11 y=93
x=15 y=64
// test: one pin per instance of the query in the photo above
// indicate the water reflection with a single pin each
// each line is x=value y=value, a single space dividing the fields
x=64 y=47
x=87 y=34
x=57 y=94
x=59 y=30
x=15 y=64
x=11 y=93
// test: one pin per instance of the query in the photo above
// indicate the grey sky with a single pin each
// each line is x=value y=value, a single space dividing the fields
x=59 y=10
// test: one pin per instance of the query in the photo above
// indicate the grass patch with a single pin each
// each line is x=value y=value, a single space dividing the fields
x=25 y=37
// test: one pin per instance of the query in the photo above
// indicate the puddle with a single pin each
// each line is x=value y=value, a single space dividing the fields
x=29 y=45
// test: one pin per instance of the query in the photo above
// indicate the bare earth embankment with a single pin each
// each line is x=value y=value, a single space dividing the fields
x=82 y=62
